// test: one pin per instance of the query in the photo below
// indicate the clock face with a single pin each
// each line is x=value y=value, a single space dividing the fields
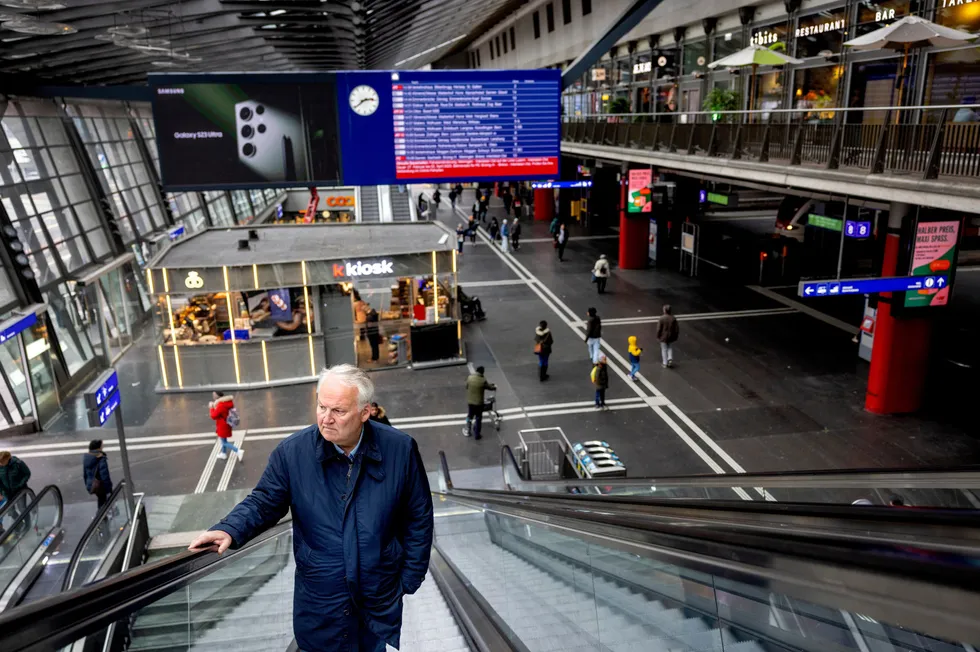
x=364 y=100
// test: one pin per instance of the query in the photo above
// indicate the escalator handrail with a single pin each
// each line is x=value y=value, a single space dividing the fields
x=59 y=620
x=89 y=531
x=30 y=508
x=893 y=584
x=12 y=501
x=965 y=477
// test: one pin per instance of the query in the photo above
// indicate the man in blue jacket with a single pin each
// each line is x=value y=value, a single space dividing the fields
x=362 y=519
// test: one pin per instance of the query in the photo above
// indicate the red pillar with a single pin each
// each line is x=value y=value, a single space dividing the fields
x=544 y=204
x=634 y=234
x=900 y=355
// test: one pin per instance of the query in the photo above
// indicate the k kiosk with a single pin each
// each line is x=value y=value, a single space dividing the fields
x=271 y=305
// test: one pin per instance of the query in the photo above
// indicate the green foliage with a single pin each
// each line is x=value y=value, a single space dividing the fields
x=619 y=105
x=722 y=99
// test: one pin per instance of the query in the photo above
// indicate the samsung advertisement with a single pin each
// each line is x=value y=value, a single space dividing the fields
x=255 y=130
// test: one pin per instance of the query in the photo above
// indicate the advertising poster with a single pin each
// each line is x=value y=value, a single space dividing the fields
x=246 y=134
x=640 y=195
x=934 y=253
x=652 y=246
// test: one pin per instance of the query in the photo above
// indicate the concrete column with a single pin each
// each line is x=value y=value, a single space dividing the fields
x=544 y=204
x=900 y=355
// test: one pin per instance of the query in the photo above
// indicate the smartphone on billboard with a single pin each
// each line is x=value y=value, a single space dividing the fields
x=266 y=140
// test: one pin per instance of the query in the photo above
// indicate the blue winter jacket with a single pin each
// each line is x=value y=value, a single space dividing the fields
x=357 y=551
x=96 y=464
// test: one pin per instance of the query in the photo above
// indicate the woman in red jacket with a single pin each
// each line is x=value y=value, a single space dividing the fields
x=221 y=407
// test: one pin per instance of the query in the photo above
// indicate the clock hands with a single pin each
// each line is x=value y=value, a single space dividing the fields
x=366 y=99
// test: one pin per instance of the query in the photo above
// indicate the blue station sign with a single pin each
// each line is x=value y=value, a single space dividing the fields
x=834 y=288
x=854 y=229
x=97 y=418
x=99 y=395
x=18 y=326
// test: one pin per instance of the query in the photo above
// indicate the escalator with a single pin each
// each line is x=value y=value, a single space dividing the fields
x=761 y=563
x=31 y=533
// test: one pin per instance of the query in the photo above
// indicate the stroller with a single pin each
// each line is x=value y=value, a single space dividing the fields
x=470 y=307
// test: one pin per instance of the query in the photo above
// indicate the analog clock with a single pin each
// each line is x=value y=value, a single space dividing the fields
x=364 y=100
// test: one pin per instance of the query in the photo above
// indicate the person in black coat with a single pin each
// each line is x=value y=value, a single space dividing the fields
x=378 y=414
x=373 y=333
x=543 y=341
x=95 y=472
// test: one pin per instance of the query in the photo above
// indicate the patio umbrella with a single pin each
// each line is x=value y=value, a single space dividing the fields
x=907 y=33
x=754 y=55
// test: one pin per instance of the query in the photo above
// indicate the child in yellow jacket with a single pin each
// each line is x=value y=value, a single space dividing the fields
x=634 y=353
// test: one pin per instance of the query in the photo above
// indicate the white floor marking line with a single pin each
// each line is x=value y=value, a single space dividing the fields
x=698 y=316
x=83 y=448
x=202 y=484
x=232 y=461
x=563 y=311
x=484 y=284
x=805 y=309
x=110 y=442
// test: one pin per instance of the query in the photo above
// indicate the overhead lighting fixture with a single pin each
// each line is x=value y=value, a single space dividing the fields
x=277 y=12
x=432 y=49
x=165 y=63
x=20 y=55
x=34 y=4
x=270 y=26
x=28 y=25
x=128 y=31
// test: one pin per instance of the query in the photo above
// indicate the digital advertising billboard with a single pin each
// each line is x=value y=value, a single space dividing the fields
x=221 y=131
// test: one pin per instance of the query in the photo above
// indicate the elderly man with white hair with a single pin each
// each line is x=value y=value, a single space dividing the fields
x=362 y=519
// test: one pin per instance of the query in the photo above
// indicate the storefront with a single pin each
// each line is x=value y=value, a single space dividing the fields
x=340 y=205
x=257 y=307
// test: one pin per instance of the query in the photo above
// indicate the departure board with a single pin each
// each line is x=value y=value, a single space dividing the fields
x=475 y=128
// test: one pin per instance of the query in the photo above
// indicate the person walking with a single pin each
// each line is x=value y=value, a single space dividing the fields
x=667 y=332
x=600 y=273
x=484 y=203
x=494 y=229
x=476 y=385
x=225 y=417
x=460 y=238
x=378 y=414
x=95 y=473
x=553 y=229
x=373 y=333
x=508 y=200
x=518 y=205
x=515 y=234
x=452 y=198
x=543 y=341
x=436 y=199
x=361 y=519
x=561 y=240
x=600 y=378
x=593 y=334
x=476 y=210
x=459 y=191
x=633 y=352
x=471 y=229
x=504 y=236
x=14 y=474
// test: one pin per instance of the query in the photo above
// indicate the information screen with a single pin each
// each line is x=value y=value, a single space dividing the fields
x=356 y=128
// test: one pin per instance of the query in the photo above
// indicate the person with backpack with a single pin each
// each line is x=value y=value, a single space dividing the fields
x=543 y=341
x=95 y=473
x=600 y=378
x=225 y=418
x=634 y=352
x=667 y=332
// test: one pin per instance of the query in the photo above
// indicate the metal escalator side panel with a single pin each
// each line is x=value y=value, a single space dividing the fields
x=103 y=532
x=28 y=544
x=14 y=507
x=21 y=583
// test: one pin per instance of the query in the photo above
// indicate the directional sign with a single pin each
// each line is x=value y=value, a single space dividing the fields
x=97 y=418
x=585 y=183
x=854 y=229
x=833 y=288
x=176 y=233
x=21 y=324
x=99 y=393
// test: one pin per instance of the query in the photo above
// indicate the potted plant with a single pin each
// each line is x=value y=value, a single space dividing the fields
x=721 y=99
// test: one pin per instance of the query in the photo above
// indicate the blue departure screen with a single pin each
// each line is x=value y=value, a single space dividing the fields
x=356 y=127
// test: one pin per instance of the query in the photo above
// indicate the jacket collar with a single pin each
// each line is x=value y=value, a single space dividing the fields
x=368 y=445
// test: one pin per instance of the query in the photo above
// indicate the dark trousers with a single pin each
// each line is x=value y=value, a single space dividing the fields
x=600 y=396
x=474 y=419
x=374 y=339
x=101 y=499
x=561 y=250
x=542 y=366
x=600 y=283
x=516 y=240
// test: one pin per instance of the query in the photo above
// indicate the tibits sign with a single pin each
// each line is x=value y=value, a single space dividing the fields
x=383 y=267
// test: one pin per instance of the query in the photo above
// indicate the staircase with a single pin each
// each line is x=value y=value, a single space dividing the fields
x=370 y=211
x=400 y=210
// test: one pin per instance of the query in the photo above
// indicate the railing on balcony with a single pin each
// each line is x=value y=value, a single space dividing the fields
x=925 y=141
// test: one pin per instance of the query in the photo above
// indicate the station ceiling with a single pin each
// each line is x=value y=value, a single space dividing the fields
x=119 y=42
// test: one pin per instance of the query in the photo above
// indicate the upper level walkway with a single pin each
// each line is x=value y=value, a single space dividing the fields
x=919 y=155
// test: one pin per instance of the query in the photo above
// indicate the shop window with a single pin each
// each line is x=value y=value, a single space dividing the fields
x=872 y=84
x=771 y=36
x=821 y=32
x=586 y=7
x=959 y=14
x=954 y=78
x=695 y=60
x=815 y=90
x=769 y=91
x=728 y=43
x=566 y=11
x=549 y=12
x=536 y=23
